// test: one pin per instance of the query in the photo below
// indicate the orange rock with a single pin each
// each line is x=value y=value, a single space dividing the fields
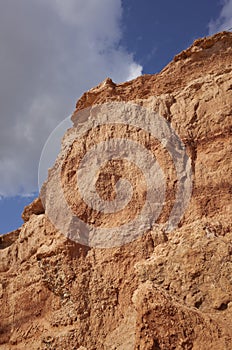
x=164 y=290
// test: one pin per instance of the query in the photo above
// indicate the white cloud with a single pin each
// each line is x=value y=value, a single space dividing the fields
x=224 y=21
x=51 y=52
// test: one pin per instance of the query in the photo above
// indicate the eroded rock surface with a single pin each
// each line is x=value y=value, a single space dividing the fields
x=161 y=291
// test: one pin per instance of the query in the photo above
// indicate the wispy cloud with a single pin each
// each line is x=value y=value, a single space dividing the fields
x=224 y=21
x=51 y=52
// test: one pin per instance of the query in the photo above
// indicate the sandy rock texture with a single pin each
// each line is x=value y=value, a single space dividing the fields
x=164 y=290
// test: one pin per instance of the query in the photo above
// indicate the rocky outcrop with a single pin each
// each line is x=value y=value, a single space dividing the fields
x=164 y=290
x=36 y=207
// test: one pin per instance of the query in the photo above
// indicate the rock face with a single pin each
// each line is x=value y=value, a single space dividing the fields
x=163 y=290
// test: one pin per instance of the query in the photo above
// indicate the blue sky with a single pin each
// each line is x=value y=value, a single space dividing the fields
x=53 y=51
x=156 y=30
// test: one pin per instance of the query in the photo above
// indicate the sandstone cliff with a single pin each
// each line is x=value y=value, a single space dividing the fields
x=163 y=290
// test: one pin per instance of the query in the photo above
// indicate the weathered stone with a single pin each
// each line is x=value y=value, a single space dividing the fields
x=164 y=290
x=36 y=207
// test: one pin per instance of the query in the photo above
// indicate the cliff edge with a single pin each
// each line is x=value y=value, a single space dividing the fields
x=163 y=290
